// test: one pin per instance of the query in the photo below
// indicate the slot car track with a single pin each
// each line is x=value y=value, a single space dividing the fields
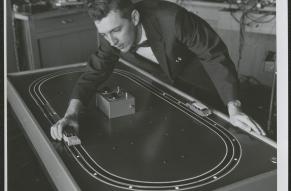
x=82 y=157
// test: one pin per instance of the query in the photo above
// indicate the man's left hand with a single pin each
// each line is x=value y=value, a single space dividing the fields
x=240 y=119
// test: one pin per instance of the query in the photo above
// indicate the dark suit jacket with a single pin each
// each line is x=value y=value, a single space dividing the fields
x=185 y=46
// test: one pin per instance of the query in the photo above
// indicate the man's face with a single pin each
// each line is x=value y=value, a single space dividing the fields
x=118 y=31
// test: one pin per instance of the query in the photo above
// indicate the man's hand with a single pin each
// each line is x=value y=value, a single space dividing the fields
x=57 y=129
x=70 y=119
x=240 y=119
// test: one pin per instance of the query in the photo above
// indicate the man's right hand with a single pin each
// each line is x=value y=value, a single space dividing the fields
x=70 y=119
x=58 y=127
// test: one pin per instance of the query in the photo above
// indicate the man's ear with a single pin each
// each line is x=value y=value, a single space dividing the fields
x=135 y=17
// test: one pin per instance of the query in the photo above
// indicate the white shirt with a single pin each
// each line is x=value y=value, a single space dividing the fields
x=146 y=51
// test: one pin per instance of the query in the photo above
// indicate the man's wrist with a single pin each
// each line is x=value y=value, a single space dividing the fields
x=74 y=108
x=234 y=107
x=234 y=103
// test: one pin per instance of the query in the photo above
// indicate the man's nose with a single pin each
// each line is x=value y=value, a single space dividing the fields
x=113 y=40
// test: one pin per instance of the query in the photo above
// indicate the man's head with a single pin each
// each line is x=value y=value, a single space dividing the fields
x=116 y=20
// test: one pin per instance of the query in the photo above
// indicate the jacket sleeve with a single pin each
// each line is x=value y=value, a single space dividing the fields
x=98 y=69
x=203 y=41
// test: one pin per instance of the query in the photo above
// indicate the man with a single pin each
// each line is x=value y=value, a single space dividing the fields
x=185 y=47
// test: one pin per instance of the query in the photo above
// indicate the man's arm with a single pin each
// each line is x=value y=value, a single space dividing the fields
x=203 y=41
x=99 y=68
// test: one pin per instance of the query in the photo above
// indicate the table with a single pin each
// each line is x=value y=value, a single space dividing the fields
x=163 y=146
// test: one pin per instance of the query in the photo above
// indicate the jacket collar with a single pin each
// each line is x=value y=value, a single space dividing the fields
x=156 y=41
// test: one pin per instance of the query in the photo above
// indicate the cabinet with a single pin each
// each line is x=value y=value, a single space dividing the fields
x=54 y=38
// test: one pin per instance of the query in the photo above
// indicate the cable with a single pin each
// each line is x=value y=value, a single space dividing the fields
x=243 y=24
x=246 y=7
x=241 y=40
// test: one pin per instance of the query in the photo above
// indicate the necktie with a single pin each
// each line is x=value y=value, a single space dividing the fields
x=143 y=44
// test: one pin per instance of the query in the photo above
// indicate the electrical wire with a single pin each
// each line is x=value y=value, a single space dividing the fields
x=247 y=7
x=243 y=25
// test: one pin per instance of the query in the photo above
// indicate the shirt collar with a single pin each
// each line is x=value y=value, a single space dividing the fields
x=143 y=35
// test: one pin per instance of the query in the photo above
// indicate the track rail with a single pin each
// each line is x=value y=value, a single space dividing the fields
x=83 y=158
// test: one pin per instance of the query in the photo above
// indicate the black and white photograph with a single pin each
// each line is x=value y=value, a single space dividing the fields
x=146 y=95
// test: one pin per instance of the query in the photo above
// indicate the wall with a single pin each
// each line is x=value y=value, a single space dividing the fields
x=11 y=56
x=256 y=47
x=260 y=38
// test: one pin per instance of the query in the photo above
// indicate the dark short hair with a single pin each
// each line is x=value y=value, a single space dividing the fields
x=98 y=9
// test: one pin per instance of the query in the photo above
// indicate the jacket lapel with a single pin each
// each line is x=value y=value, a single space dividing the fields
x=156 y=42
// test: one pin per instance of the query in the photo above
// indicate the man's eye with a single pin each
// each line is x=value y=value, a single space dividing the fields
x=116 y=29
x=102 y=34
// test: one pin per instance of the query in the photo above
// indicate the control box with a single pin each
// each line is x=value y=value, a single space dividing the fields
x=115 y=103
